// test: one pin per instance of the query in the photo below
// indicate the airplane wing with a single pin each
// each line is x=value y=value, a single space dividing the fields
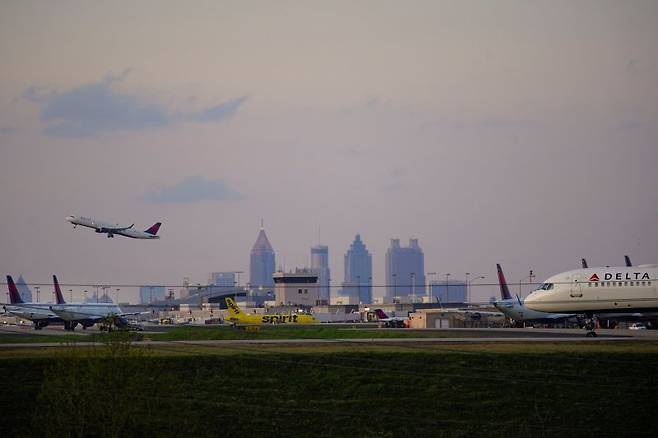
x=558 y=316
x=114 y=229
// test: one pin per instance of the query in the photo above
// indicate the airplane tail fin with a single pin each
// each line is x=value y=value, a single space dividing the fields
x=154 y=228
x=233 y=308
x=504 y=290
x=628 y=260
x=59 y=298
x=380 y=314
x=584 y=263
x=14 y=296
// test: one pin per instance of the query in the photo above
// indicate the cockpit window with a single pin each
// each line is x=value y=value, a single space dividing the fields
x=545 y=286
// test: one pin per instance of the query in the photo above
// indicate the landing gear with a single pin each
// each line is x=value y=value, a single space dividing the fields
x=590 y=325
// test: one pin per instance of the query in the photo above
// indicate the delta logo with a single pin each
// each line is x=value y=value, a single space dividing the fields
x=622 y=276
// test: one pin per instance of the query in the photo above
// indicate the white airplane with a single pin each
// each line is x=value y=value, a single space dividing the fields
x=514 y=308
x=112 y=229
x=625 y=289
x=86 y=314
x=39 y=313
x=391 y=321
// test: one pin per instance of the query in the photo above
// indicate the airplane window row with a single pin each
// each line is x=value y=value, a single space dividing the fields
x=619 y=283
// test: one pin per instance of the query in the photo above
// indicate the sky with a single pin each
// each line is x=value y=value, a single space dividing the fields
x=512 y=132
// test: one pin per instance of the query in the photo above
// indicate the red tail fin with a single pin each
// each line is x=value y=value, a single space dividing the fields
x=504 y=290
x=59 y=298
x=14 y=296
x=154 y=229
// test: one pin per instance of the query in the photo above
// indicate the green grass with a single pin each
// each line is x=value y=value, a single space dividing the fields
x=322 y=332
x=520 y=390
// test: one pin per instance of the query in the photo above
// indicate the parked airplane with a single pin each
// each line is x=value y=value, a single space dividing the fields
x=39 y=313
x=393 y=321
x=237 y=316
x=112 y=229
x=86 y=314
x=514 y=308
x=597 y=291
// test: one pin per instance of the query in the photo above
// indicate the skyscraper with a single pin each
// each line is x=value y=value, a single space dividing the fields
x=320 y=264
x=358 y=271
x=405 y=270
x=262 y=262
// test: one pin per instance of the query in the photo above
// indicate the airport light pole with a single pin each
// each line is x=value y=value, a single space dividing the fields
x=429 y=287
x=468 y=286
x=395 y=287
x=525 y=278
x=370 y=289
x=37 y=289
x=358 y=285
x=413 y=287
x=85 y=299
x=70 y=295
x=116 y=295
x=447 y=288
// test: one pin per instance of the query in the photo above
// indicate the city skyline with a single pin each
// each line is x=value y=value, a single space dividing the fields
x=520 y=133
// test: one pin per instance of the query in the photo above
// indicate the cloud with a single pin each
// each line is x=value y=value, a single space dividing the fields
x=219 y=112
x=194 y=189
x=93 y=108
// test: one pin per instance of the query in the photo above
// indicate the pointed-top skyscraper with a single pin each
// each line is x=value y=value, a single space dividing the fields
x=358 y=271
x=262 y=262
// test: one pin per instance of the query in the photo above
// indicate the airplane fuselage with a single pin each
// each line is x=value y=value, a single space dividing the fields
x=598 y=290
x=110 y=229
x=85 y=311
x=519 y=312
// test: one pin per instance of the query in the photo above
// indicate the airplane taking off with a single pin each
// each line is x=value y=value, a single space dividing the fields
x=112 y=229
x=626 y=289
x=237 y=316
x=514 y=308
x=40 y=314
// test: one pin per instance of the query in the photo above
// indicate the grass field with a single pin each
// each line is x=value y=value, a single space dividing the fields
x=529 y=389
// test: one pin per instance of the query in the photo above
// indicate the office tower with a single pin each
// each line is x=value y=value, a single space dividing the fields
x=405 y=271
x=451 y=291
x=149 y=294
x=222 y=281
x=358 y=271
x=261 y=265
x=320 y=264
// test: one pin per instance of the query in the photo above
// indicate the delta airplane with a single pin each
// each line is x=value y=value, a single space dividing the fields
x=394 y=321
x=86 y=314
x=625 y=289
x=40 y=314
x=112 y=229
x=237 y=316
x=515 y=309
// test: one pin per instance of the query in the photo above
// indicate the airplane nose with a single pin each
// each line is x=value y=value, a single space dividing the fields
x=70 y=218
x=532 y=300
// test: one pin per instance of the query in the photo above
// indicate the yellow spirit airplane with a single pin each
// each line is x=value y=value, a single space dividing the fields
x=237 y=316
